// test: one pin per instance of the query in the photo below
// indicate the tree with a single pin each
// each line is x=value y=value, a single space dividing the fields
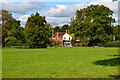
x=50 y=29
x=73 y=41
x=13 y=35
x=116 y=32
x=56 y=29
x=10 y=28
x=93 y=24
x=37 y=31
x=64 y=28
x=5 y=16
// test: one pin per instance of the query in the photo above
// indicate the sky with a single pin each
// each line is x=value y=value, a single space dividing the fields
x=57 y=12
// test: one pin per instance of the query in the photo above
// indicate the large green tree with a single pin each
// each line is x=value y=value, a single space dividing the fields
x=64 y=28
x=15 y=35
x=37 y=31
x=5 y=18
x=10 y=29
x=93 y=24
x=56 y=29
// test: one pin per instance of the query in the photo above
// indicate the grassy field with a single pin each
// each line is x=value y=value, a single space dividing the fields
x=72 y=62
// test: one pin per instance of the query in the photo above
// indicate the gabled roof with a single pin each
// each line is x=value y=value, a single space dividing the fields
x=66 y=34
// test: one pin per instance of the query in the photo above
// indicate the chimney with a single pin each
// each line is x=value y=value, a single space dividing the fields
x=66 y=31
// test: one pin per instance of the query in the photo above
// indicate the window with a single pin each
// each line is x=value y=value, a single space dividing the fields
x=64 y=37
x=68 y=43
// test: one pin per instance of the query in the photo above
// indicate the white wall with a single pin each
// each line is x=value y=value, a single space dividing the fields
x=67 y=37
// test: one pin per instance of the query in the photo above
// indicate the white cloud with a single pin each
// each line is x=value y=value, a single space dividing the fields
x=54 y=21
x=69 y=11
x=59 y=11
x=64 y=11
x=22 y=7
x=60 y=14
x=58 y=20
x=23 y=19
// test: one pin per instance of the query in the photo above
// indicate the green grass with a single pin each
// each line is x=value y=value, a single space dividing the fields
x=73 y=62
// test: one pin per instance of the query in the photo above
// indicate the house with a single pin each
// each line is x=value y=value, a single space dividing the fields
x=62 y=36
x=67 y=40
x=57 y=36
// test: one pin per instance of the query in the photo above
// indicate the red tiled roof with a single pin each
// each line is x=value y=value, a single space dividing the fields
x=57 y=36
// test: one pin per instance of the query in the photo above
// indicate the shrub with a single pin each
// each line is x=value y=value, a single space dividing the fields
x=100 y=44
x=56 y=43
x=112 y=44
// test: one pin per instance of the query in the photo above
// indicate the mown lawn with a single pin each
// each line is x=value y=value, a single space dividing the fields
x=72 y=62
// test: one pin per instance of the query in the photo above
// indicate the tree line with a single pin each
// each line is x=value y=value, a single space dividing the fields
x=93 y=25
x=35 y=34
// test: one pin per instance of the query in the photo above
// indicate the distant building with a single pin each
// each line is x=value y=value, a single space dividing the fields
x=57 y=36
x=62 y=36
x=67 y=40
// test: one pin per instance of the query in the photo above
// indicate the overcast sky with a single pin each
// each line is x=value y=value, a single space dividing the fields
x=56 y=12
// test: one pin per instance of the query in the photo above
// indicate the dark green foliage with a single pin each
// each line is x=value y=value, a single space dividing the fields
x=15 y=37
x=11 y=30
x=61 y=29
x=116 y=32
x=100 y=44
x=112 y=44
x=93 y=23
x=73 y=41
x=64 y=28
x=56 y=29
x=56 y=43
x=35 y=34
x=7 y=21
x=37 y=31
